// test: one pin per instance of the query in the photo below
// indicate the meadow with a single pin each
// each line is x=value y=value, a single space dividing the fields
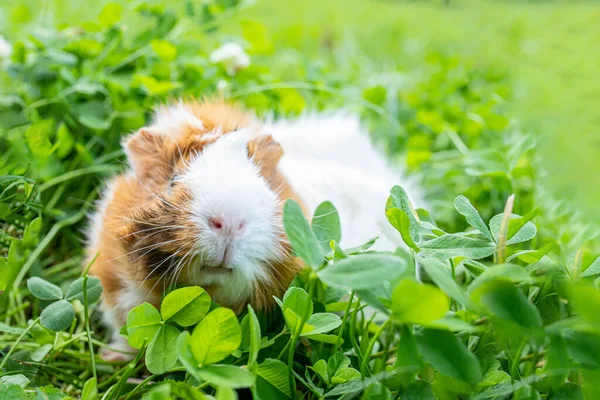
x=489 y=104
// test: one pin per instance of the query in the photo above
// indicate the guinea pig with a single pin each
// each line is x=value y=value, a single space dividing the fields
x=202 y=204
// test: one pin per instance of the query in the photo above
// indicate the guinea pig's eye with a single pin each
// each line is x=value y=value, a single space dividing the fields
x=172 y=183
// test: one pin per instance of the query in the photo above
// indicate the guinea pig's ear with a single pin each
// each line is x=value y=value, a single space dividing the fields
x=265 y=152
x=145 y=150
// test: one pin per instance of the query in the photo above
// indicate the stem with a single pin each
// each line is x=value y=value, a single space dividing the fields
x=148 y=379
x=18 y=309
x=87 y=318
x=94 y=169
x=119 y=385
x=312 y=284
x=48 y=238
x=344 y=321
x=284 y=349
x=291 y=366
x=291 y=349
x=502 y=235
x=353 y=334
x=365 y=362
x=383 y=352
x=14 y=346
x=514 y=368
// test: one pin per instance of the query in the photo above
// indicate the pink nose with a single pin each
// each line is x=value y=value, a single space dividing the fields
x=223 y=226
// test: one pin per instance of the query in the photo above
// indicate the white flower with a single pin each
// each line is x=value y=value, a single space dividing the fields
x=5 y=48
x=232 y=56
x=222 y=85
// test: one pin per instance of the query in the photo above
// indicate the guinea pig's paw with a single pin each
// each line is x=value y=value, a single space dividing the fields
x=118 y=350
x=114 y=356
x=265 y=151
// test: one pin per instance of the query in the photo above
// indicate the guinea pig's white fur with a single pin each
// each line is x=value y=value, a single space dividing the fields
x=331 y=157
x=224 y=182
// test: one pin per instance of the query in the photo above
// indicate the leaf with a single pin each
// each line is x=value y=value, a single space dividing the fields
x=41 y=352
x=18 y=379
x=185 y=356
x=474 y=268
x=228 y=376
x=373 y=298
x=320 y=323
x=345 y=375
x=304 y=242
x=454 y=325
x=87 y=88
x=593 y=268
x=160 y=391
x=399 y=199
x=586 y=302
x=407 y=355
x=439 y=272
x=326 y=225
x=418 y=390
x=363 y=271
x=356 y=385
x=507 y=272
x=216 y=336
x=276 y=373
x=254 y=332
x=401 y=221
x=335 y=363
x=186 y=390
x=503 y=299
x=584 y=347
x=65 y=141
x=417 y=303
x=320 y=367
x=165 y=50
x=319 y=337
x=297 y=305
x=185 y=306
x=90 y=390
x=110 y=14
x=256 y=34
x=15 y=330
x=12 y=392
x=31 y=235
x=523 y=234
x=57 y=316
x=360 y=249
x=448 y=355
x=224 y=393
x=558 y=363
x=143 y=322
x=466 y=209
x=43 y=289
x=93 y=286
x=453 y=245
x=160 y=355
x=153 y=86
x=37 y=137
x=94 y=121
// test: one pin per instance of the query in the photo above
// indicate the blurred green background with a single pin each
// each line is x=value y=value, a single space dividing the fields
x=548 y=51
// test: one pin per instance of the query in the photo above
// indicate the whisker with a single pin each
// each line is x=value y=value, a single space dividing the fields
x=159 y=228
x=158 y=264
x=154 y=245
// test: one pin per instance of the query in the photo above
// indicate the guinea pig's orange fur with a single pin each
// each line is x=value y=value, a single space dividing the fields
x=135 y=206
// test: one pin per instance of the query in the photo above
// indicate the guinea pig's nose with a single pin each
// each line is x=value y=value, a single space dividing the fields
x=222 y=226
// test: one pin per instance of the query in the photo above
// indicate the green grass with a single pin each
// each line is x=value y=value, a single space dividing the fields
x=479 y=99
